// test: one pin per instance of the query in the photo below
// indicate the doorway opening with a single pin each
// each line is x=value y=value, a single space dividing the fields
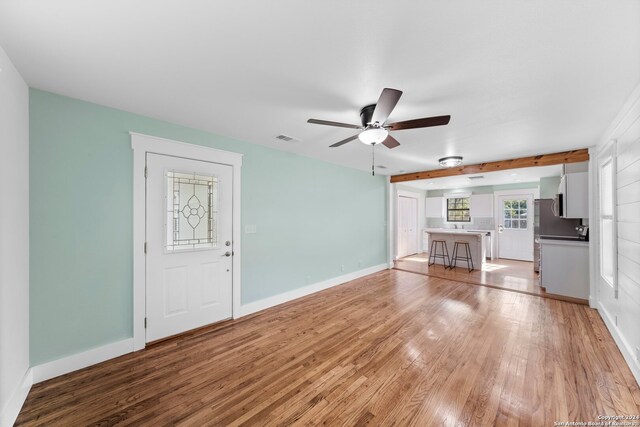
x=499 y=219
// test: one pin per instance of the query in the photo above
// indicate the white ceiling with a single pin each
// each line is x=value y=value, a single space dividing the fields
x=513 y=176
x=518 y=77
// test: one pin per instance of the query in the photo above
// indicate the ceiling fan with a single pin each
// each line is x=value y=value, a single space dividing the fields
x=373 y=117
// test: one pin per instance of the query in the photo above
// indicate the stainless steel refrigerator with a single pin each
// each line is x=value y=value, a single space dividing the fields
x=546 y=223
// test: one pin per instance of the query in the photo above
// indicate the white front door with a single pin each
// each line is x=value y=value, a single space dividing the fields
x=407 y=226
x=515 y=227
x=189 y=249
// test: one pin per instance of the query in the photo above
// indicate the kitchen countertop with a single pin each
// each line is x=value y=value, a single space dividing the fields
x=563 y=238
x=455 y=231
x=567 y=241
x=476 y=240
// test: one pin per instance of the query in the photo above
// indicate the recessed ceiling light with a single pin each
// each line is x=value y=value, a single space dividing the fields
x=450 y=161
x=514 y=174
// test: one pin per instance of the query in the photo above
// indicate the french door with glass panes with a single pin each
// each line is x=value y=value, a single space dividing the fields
x=515 y=227
x=189 y=251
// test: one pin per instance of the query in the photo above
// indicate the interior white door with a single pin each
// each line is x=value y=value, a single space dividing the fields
x=407 y=226
x=412 y=225
x=515 y=227
x=401 y=232
x=188 y=244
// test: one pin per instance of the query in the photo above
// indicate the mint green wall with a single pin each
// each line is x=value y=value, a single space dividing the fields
x=549 y=187
x=312 y=217
x=485 y=189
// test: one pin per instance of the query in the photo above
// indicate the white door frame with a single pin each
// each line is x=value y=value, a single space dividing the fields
x=497 y=211
x=391 y=222
x=141 y=145
x=594 y=227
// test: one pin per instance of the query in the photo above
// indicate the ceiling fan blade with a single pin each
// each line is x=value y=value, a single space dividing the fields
x=390 y=142
x=337 y=124
x=344 y=141
x=385 y=105
x=419 y=123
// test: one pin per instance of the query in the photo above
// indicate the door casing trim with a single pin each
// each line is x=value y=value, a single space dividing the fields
x=141 y=145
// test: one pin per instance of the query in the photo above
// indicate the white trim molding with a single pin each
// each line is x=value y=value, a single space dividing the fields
x=141 y=145
x=13 y=406
x=392 y=206
x=78 y=361
x=291 y=295
x=594 y=267
x=623 y=345
x=97 y=355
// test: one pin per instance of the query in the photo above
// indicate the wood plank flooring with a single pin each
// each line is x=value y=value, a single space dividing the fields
x=393 y=348
x=507 y=274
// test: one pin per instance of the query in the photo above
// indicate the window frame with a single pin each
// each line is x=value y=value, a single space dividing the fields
x=519 y=217
x=608 y=158
x=447 y=197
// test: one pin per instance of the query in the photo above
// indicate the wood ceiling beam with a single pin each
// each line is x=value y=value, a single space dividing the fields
x=572 y=156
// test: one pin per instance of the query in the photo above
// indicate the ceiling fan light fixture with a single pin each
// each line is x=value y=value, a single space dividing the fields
x=450 y=161
x=373 y=136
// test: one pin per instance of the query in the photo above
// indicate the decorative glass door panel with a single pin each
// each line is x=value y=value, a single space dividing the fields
x=192 y=205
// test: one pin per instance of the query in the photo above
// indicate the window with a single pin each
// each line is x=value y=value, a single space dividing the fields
x=514 y=214
x=458 y=209
x=607 y=223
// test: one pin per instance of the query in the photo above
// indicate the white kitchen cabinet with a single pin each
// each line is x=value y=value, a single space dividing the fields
x=488 y=243
x=564 y=268
x=481 y=206
x=434 y=207
x=574 y=188
x=425 y=241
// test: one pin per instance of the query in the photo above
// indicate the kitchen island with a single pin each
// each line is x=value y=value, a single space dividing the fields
x=476 y=240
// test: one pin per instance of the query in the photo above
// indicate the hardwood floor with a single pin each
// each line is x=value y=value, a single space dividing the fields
x=499 y=273
x=393 y=348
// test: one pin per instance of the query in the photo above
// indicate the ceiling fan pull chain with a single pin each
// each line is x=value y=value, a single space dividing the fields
x=373 y=159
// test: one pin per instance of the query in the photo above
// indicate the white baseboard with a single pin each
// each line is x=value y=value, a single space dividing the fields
x=14 y=405
x=81 y=360
x=78 y=361
x=623 y=345
x=265 y=303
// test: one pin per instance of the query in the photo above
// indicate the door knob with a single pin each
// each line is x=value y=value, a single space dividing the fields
x=228 y=253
